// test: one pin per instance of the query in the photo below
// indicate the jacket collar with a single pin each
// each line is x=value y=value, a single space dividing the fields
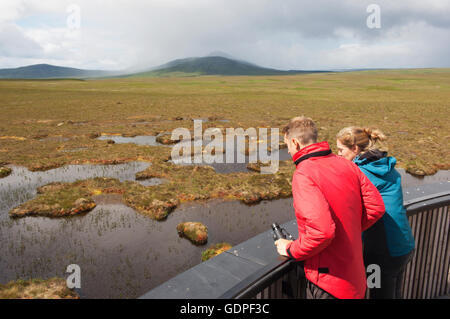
x=371 y=156
x=313 y=150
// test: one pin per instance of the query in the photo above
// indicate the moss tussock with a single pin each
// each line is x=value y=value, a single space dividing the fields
x=419 y=168
x=215 y=250
x=62 y=203
x=166 y=139
x=54 y=288
x=196 y=232
x=69 y=199
x=190 y=183
x=5 y=171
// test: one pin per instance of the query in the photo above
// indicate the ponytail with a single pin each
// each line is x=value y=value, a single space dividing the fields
x=366 y=139
x=375 y=135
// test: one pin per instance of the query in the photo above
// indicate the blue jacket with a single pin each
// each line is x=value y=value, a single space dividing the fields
x=380 y=170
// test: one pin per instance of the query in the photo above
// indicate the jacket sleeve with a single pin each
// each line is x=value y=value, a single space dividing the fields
x=313 y=213
x=373 y=205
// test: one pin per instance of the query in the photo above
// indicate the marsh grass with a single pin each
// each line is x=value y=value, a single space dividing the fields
x=410 y=106
x=184 y=184
x=416 y=101
x=54 y=288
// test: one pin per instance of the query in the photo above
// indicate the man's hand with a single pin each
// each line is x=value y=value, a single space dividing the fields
x=282 y=246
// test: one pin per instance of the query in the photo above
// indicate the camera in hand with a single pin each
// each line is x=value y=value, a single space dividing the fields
x=279 y=233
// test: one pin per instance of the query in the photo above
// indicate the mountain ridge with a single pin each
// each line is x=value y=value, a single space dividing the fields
x=214 y=65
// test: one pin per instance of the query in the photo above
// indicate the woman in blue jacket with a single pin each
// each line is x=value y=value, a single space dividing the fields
x=389 y=243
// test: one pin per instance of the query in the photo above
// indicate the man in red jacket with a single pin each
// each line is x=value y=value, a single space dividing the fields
x=334 y=203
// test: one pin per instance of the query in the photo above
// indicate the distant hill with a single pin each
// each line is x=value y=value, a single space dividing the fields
x=47 y=71
x=213 y=65
x=209 y=65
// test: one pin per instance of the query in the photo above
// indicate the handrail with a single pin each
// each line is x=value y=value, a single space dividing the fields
x=425 y=198
x=259 y=279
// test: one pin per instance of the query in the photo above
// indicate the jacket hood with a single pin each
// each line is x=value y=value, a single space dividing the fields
x=378 y=166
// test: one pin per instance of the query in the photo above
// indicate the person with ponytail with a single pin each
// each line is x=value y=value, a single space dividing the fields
x=389 y=243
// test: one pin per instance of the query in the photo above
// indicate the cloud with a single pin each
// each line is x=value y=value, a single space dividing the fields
x=15 y=43
x=291 y=34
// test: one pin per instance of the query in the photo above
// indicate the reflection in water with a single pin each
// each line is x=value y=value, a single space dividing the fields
x=121 y=253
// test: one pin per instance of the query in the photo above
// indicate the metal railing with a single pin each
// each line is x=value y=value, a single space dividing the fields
x=426 y=276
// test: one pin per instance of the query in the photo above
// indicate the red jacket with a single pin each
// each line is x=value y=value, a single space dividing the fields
x=334 y=203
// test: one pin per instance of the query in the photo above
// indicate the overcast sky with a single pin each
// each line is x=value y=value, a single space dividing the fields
x=284 y=34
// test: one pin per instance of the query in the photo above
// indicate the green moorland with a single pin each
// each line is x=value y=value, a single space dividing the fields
x=51 y=123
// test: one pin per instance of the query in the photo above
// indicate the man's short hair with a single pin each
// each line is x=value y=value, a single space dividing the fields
x=303 y=128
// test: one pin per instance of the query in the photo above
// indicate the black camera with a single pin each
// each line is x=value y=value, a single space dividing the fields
x=279 y=233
